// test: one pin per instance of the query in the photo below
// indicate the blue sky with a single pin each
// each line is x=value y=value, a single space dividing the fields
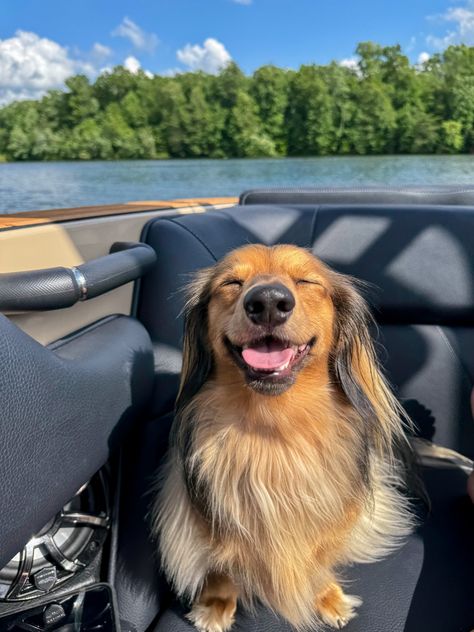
x=41 y=42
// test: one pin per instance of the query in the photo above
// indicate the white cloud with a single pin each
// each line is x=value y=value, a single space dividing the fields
x=136 y=35
x=463 y=32
x=350 y=62
x=440 y=43
x=30 y=65
x=211 y=57
x=423 y=58
x=100 y=51
x=132 y=64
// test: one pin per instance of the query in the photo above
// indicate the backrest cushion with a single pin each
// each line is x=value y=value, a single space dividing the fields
x=419 y=260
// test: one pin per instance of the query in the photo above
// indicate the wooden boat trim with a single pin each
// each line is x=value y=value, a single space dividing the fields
x=50 y=216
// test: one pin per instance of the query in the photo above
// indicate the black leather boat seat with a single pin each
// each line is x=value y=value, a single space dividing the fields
x=425 y=587
x=449 y=195
x=421 y=259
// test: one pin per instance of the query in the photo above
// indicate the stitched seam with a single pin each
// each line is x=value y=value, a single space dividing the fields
x=188 y=230
x=453 y=353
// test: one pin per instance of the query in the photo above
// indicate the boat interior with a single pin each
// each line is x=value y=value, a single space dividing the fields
x=90 y=355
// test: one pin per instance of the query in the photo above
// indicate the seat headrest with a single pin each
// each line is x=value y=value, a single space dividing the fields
x=419 y=261
x=433 y=195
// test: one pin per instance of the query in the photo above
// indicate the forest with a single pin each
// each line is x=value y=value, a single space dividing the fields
x=382 y=105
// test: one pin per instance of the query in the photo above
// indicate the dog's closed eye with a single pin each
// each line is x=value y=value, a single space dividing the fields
x=237 y=282
x=308 y=282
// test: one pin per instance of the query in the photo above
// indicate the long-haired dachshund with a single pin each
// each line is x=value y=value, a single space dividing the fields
x=281 y=467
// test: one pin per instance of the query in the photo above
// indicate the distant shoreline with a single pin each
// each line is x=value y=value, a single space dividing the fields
x=199 y=159
x=33 y=186
x=381 y=104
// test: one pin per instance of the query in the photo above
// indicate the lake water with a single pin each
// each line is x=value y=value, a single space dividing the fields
x=34 y=186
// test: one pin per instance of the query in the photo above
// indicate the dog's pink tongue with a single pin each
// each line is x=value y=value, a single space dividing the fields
x=268 y=356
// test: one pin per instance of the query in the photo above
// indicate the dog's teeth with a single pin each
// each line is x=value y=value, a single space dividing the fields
x=301 y=348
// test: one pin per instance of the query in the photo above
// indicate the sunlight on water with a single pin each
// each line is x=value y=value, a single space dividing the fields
x=33 y=186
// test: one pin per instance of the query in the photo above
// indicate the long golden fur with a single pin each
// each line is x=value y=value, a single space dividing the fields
x=270 y=487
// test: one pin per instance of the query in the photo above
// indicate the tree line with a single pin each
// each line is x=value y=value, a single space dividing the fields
x=382 y=105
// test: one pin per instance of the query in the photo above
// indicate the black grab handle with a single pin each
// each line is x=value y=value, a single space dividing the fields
x=55 y=288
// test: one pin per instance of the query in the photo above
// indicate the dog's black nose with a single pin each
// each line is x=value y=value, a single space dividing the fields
x=269 y=304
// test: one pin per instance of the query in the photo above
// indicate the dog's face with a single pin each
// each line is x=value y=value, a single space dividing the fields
x=270 y=315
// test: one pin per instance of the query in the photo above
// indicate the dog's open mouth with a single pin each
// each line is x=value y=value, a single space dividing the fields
x=269 y=357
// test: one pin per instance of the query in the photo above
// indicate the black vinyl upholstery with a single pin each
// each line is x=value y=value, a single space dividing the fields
x=433 y=195
x=424 y=587
x=64 y=408
x=420 y=262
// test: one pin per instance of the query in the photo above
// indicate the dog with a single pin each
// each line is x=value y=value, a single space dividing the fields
x=282 y=465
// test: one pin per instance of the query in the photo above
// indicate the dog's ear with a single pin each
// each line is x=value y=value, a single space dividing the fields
x=355 y=368
x=197 y=365
x=197 y=356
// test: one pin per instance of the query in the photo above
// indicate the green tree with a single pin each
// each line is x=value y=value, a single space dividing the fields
x=174 y=118
x=458 y=67
x=383 y=104
x=228 y=84
x=111 y=87
x=45 y=144
x=133 y=110
x=417 y=131
x=452 y=139
x=309 y=119
x=342 y=84
x=87 y=141
x=374 y=122
x=246 y=130
x=19 y=145
x=53 y=109
x=80 y=101
x=203 y=125
x=122 y=138
x=146 y=143
x=269 y=89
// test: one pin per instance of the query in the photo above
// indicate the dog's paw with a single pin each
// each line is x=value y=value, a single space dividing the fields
x=215 y=615
x=335 y=607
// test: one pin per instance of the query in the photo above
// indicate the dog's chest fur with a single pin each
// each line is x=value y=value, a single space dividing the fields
x=275 y=489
